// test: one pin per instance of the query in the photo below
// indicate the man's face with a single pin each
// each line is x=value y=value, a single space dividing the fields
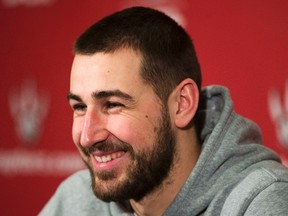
x=123 y=133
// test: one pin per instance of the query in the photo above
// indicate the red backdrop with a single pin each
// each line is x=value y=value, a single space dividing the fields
x=240 y=44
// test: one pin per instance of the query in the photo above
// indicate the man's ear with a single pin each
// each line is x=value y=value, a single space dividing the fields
x=187 y=98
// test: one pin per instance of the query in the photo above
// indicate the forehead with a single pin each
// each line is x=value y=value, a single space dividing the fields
x=106 y=71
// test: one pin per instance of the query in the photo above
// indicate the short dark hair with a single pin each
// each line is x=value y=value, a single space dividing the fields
x=168 y=54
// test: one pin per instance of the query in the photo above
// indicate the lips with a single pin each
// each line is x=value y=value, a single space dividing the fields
x=109 y=157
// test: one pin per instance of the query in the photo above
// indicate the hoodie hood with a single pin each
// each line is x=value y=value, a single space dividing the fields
x=231 y=147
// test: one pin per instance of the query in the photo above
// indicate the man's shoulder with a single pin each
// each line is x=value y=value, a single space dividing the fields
x=265 y=188
x=74 y=196
x=78 y=179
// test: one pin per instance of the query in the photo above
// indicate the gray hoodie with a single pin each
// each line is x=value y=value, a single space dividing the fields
x=235 y=173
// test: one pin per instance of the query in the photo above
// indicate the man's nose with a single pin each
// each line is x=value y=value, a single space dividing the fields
x=94 y=129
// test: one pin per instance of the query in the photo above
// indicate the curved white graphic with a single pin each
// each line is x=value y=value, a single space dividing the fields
x=171 y=8
x=279 y=113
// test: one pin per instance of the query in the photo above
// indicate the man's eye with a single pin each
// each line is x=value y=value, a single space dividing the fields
x=111 y=105
x=79 y=107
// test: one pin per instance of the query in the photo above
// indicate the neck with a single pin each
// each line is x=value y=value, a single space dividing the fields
x=159 y=200
x=155 y=203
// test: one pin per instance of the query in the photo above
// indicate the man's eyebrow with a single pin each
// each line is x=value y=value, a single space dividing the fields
x=72 y=96
x=102 y=94
x=112 y=93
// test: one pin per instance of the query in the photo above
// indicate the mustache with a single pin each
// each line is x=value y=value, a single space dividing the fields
x=107 y=146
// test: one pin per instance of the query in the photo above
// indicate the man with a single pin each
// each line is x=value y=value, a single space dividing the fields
x=153 y=141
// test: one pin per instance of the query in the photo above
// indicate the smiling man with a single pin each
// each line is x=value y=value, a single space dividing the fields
x=122 y=129
x=154 y=142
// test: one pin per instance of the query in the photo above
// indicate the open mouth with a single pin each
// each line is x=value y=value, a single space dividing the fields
x=109 y=157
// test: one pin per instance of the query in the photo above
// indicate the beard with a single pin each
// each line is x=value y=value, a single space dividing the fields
x=146 y=171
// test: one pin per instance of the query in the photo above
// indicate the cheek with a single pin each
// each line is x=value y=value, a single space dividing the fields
x=136 y=132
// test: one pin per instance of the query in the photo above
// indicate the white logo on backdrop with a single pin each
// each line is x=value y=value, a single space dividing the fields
x=171 y=8
x=28 y=109
x=279 y=113
x=27 y=3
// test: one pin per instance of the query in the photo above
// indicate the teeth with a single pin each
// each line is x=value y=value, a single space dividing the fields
x=108 y=158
